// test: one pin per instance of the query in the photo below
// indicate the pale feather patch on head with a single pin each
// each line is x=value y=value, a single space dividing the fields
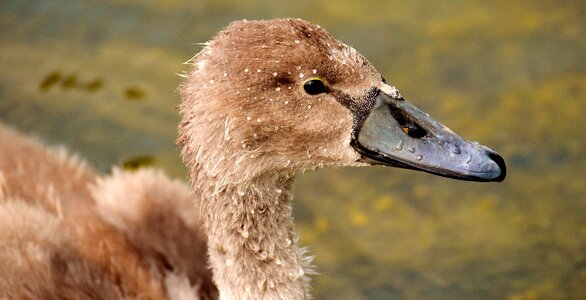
x=346 y=55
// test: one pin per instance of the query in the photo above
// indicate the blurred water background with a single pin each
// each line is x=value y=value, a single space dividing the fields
x=99 y=77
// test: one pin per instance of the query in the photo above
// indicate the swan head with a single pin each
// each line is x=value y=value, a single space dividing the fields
x=284 y=95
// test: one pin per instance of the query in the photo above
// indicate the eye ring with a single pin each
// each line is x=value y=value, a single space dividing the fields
x=315 y=86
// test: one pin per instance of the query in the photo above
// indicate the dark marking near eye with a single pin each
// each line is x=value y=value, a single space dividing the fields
x=284 y=79
x=134 y=93
x=360 y=107
x=137 y=162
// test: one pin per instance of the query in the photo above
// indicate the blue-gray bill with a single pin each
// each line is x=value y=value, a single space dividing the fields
x=396 y=133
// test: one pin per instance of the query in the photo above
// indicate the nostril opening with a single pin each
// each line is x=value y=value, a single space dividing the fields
x=413 y=130
x=501 y=163
x=410 y=127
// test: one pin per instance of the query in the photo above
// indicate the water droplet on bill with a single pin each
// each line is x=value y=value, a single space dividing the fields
x=399 y=146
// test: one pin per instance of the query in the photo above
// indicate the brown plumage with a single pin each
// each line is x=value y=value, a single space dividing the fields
x=68 y=233
x=250 y=123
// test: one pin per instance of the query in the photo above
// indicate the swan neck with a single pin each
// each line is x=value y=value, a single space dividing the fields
x=252 y=242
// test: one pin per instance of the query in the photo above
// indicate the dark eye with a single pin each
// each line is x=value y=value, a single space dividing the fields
x=314 y=86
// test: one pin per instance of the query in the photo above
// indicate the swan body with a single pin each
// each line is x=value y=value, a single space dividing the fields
x=263 y=101
x=68 y=233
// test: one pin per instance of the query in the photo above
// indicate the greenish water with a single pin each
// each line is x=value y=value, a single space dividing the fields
x=100 y=78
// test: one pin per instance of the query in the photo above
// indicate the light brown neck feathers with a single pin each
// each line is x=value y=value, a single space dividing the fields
x=252 y=242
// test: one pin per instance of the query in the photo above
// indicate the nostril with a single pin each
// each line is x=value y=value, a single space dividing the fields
x=501 y=163
x=409 y=126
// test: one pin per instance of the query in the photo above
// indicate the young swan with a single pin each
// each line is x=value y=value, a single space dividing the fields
x=268 y=99
x=265 y=100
